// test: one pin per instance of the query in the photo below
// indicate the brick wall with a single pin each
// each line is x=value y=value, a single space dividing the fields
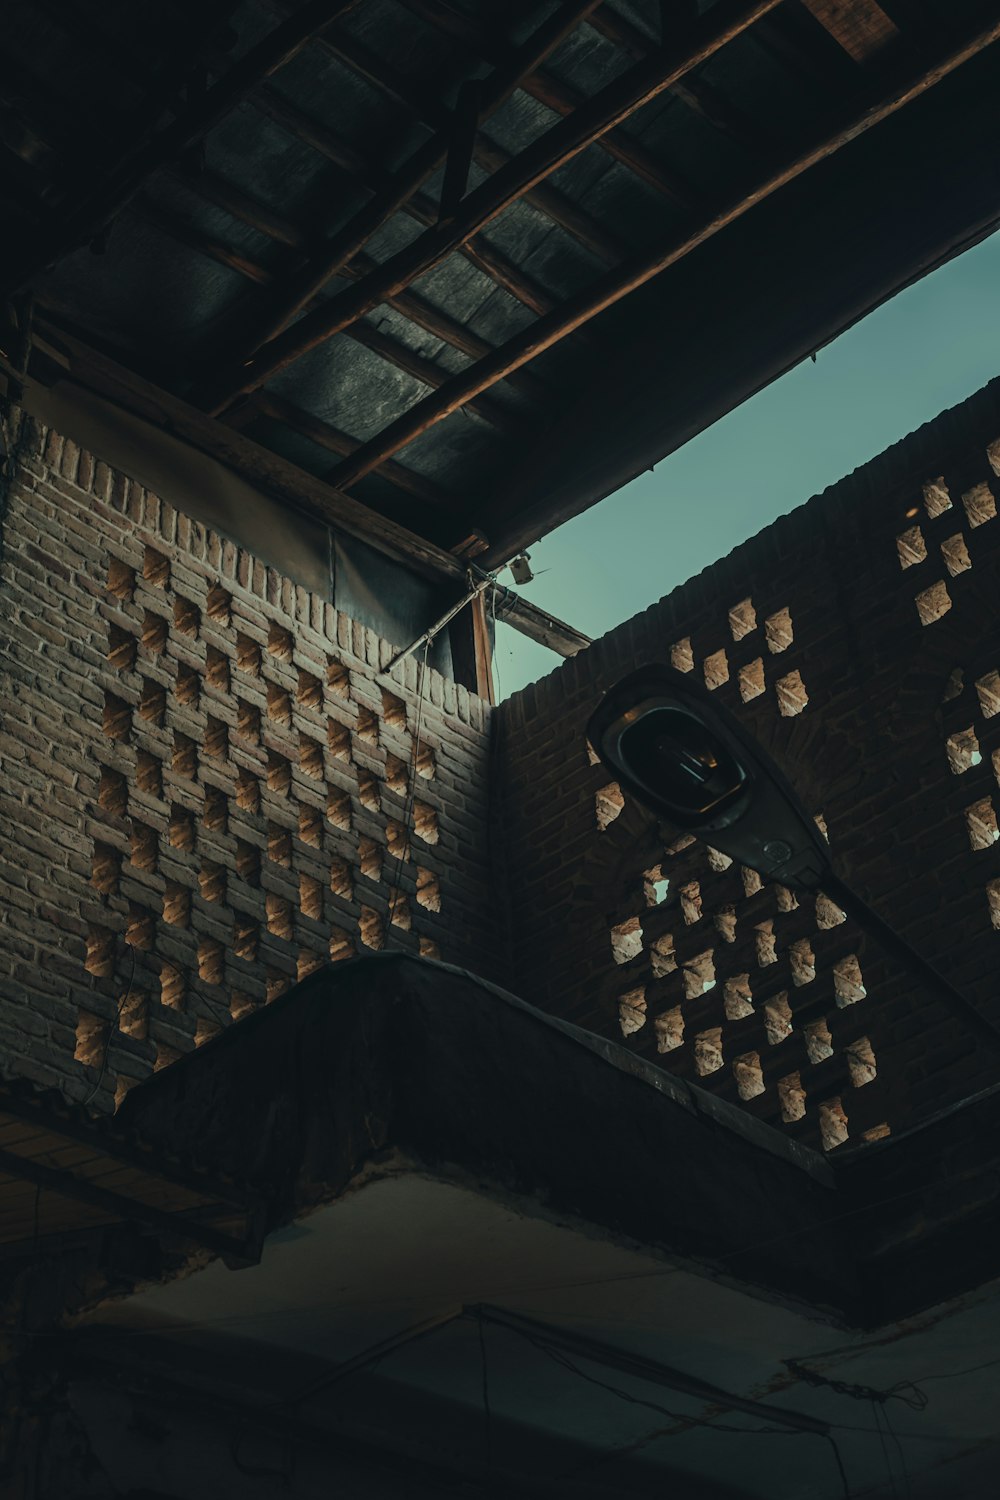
x=857 y=638
x=204 y=784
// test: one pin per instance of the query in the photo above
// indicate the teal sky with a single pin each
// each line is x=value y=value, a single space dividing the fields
x=926 y=349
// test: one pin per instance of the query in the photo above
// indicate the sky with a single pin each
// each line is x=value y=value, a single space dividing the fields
x=928 y=348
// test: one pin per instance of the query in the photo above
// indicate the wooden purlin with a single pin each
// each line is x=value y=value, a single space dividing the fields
x=697 y=94
x=487 y=153
x=612 y=288
x=492 y=262
x=302 y=286
x=559 y=97
x=569 y=216
x=554 y=149
x=325 y=435
x=216 y=190
x=384 y=345
x=564 y=213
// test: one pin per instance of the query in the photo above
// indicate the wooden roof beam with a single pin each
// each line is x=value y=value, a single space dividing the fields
x=302 y=286
x=557 y=146
x=561 y=98
x=392 y=350
x=616 y=285
x=603 y=244
x=699 y=96
x=96 y=208
x=492 y=262
x=332 y=440
x=274 y=226
x=427 y=108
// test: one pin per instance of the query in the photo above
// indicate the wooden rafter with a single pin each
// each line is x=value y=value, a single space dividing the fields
x=612 y=288
x=247 y=210
x=488 y=154
x=302 y=286
x=332 y=440
x=275 y=226
x=602 y=243
x=560 y=98
x=384 y=345
x=95 y=208
x=557 y=146
x=696 y=93
x=494 y=264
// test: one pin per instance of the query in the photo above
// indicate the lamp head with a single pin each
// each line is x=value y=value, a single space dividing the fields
x=686 y=758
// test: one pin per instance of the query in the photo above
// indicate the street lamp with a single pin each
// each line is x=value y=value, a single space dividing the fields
x=688 y=759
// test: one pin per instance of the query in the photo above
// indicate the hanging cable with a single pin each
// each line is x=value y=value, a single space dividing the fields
x=885 y=1449
x=686 y=1420
x=840 y=1465
x=904 y=1390
x=487 y=1413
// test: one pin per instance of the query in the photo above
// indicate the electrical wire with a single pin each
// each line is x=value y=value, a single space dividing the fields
x=905 y=1391
x=559 y=1357
x=988 y=1364
x=686 y=1420
x=487 y=1413
x=885 y=1449
x=840 y=1465
x=899 y=1449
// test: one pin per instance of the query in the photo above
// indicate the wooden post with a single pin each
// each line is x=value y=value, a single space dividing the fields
x=484 y=650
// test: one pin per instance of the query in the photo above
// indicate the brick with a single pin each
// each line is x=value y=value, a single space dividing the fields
x=68 y=515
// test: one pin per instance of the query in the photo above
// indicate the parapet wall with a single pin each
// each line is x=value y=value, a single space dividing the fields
x=204 y=784
x=857 y=637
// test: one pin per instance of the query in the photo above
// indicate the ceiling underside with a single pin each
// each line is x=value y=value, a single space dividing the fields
x=361 y=1334
x=476 y=264
x=460 y=1192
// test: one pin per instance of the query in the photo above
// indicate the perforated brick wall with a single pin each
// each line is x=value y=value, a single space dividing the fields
x=206 y=784
x=858 y=639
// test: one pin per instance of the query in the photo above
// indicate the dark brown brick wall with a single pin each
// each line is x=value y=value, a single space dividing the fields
x=203 y=784
x=865 y=660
